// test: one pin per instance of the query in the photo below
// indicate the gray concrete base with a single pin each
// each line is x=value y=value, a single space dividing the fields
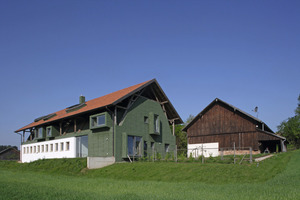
x=99 y=162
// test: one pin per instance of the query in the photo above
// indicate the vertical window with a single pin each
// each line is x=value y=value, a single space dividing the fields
x=82 y=146
x=67 y=146
x=156 y=123
x=152 y=146
x=49 y=132
x=56 y=146
x=42 y=148
x=51 y=147
x=34 y=149
x=61 y=146
x=134 y=145
x=101 y=120
x=146 y=120
x=38 y=149
x=167 y=146
x=30 y=149
x=40 y=133
x=24 y=150
x=46 y=148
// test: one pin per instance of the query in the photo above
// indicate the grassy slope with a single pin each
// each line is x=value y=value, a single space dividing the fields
x=154 y=180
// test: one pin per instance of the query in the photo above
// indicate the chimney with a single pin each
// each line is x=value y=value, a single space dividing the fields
x=81 y=99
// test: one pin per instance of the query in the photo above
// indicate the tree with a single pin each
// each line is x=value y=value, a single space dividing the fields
x=189 y=119
x=290 y=128
x=181 y=137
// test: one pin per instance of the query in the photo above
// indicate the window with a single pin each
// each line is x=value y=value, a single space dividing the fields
x=156 y=124
x=49 y=132
x=34 y=149
x=30 y=149
x=167 y=146
x=82 y=146
x=67 y=146
x=42 y=148
x=24 y=150
x=61 y=146
x=40 y=132
x=152 y=146
x=56 y=146
x=51 y=147
x=46 y=148
x=146 y=120
x=98 y=120
x=38 y=149
x=134 y=146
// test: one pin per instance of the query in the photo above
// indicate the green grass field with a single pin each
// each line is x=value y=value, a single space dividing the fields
x=275 y=178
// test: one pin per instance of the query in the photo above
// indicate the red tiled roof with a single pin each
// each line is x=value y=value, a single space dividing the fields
x=90 y=105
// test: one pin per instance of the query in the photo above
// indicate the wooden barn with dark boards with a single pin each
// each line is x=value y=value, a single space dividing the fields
x=227 y=127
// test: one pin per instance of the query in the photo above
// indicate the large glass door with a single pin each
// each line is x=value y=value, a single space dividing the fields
x=82 y=146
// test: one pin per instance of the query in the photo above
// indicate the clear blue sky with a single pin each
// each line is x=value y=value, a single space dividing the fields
x=246 y=53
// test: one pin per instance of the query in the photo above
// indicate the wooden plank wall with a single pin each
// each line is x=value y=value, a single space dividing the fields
x=224 y=125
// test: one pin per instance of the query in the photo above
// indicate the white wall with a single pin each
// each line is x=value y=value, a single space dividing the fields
x=209 y=149
x=35 y=151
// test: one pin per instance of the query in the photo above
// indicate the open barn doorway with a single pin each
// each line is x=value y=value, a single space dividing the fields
x=270 y=146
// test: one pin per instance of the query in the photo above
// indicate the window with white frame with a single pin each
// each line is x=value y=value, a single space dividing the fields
x=61 y=146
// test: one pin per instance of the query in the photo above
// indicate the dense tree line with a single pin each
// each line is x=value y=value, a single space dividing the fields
x=290 y=128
